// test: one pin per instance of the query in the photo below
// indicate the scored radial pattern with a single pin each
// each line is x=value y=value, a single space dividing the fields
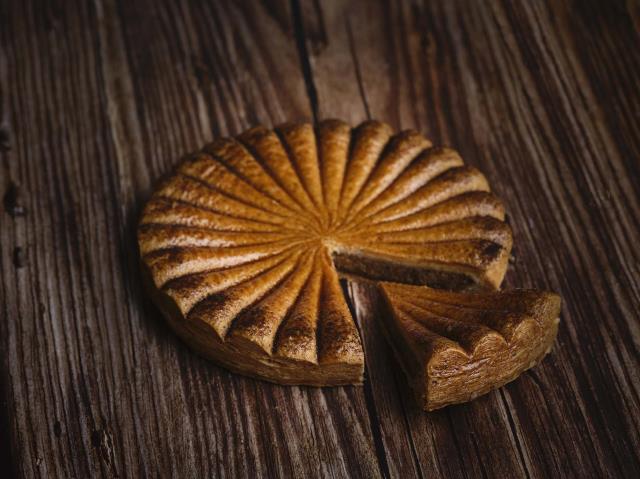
x=242 y=246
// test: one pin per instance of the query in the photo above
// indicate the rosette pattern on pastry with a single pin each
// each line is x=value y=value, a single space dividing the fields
x=243 y=245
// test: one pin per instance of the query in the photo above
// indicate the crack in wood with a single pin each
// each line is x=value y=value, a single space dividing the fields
x=303 y=53
x=374 y=420
x=356 y=66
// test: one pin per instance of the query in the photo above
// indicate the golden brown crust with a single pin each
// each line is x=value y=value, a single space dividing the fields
x=238 y=243
x=455 y=346
x=333 y=138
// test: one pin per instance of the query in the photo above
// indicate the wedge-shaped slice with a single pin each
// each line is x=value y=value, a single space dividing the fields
x=456 y=346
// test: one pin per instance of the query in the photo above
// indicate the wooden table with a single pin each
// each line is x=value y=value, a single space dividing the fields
x=99 y=99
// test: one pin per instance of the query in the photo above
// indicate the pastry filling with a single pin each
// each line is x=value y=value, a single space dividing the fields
x=375 y=269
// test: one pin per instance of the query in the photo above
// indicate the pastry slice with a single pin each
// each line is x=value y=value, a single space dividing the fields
x=455 y=346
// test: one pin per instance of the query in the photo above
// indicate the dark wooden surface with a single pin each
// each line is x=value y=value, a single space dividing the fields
x=98 y=99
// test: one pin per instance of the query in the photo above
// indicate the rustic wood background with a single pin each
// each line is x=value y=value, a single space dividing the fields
x=98 y=99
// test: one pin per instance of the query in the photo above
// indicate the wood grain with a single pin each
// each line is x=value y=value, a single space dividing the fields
x=99 y=99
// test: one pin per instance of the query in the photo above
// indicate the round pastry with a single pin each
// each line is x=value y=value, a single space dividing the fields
x=243 y=245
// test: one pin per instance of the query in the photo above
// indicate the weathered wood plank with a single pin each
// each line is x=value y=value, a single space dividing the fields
x=501 y=84
x=98 y=100
x=105 y=99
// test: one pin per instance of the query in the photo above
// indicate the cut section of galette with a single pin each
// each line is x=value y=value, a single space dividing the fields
x=455 y=346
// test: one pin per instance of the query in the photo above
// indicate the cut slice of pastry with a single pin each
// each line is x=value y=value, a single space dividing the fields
x=455 y=346
x=243 y=244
